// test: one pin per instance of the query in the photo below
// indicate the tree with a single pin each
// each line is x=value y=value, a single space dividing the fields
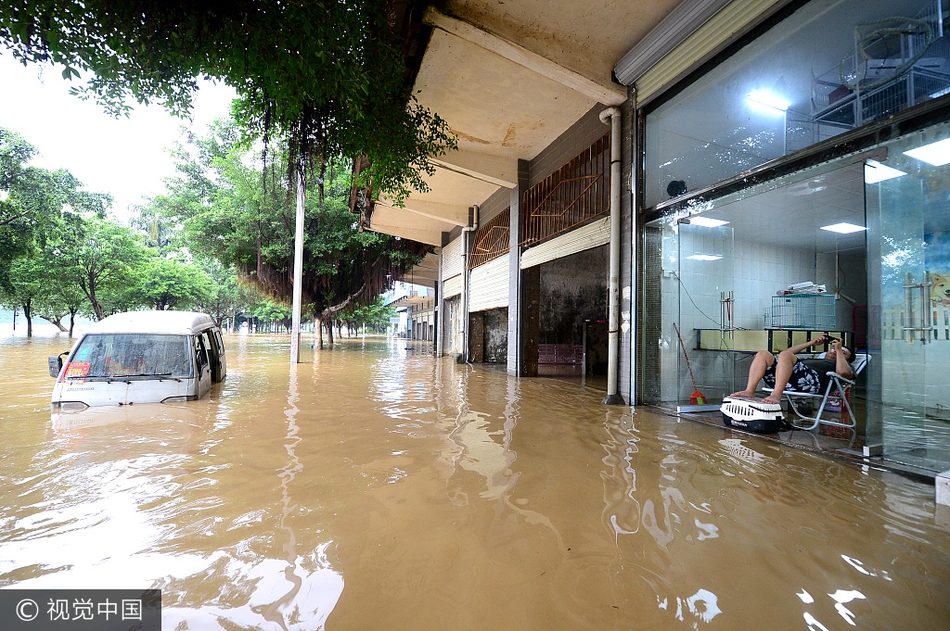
x=329 y=77
x=159 y=233
x=33 y=200
x=101 y=255
x=374 y=316
x=24 y=287
x=228 y=298
x=271 y=313
x=168 y=284
x=227 y=213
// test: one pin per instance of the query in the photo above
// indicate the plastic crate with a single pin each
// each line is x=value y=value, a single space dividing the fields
x=804 y=311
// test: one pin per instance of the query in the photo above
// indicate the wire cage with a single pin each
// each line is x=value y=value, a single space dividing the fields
x=804 y=311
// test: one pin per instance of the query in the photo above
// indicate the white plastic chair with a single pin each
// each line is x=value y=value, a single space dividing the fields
x=838 y=387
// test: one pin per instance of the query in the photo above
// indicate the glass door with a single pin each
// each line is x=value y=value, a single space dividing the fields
x=909 y=226
x=706 y=315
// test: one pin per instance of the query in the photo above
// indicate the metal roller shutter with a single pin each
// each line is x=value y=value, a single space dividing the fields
x=488 y=285
x=452 y=259
x=452 y=286
x=586 y=237
x=720 y=30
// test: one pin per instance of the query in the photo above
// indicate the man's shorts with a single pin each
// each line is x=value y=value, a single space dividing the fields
x=803 y=379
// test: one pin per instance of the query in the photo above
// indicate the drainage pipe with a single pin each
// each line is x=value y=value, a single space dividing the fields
x=611 y=115
x=466 y=285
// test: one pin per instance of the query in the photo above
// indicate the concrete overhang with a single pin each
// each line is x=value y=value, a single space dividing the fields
x=509 y=79
x=426 y=273
x=408 y=302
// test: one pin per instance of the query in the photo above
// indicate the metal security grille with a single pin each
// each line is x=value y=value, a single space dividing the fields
x=491 y=240
x=576 y=193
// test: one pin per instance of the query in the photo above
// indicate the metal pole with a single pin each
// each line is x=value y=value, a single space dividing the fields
x=298 y=265
x=613 y=307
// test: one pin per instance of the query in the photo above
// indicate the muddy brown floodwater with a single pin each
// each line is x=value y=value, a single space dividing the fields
x=379 y=488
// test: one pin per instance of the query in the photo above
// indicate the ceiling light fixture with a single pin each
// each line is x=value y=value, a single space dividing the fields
x=704 y=257
x=769 y=100
x=843 y=228
x=707 y=222
x=936 y=153
x=875 y=172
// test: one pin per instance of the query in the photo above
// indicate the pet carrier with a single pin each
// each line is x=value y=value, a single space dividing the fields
x=752 y=415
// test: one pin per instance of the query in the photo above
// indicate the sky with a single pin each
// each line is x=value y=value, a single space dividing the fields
x=127 y=157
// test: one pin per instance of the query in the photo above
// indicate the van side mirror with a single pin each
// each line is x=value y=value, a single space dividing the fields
x=56 y=364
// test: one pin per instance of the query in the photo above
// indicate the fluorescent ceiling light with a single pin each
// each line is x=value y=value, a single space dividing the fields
x=875 y=172
x=769 y=100
x=706 y=222
x=936 y=153
x=704 y=257
x=843 y=228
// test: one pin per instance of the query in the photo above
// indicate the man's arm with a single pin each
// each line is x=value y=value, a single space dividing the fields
x=798 y=348
x=842 y=367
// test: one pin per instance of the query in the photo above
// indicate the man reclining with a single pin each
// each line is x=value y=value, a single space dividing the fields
x=788 y=372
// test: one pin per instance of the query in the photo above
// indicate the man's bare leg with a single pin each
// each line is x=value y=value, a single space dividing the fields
x=783 y=372
x=761 y=363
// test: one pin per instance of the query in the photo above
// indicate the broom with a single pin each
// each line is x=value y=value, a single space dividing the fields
x=697 y=398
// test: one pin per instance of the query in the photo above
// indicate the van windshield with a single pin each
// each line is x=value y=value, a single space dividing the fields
x=131 y=355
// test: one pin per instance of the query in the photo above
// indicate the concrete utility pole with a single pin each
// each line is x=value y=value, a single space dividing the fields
x=298 y=264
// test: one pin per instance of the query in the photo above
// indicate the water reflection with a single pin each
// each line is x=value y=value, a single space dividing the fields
x=377 y=486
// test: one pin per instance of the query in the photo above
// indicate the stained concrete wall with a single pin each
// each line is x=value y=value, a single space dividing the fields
x=496 y=336
x=573 y=289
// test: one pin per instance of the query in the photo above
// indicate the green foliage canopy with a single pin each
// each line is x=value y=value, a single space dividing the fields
x=33 y=200
x=329 y=75
x=226 y=213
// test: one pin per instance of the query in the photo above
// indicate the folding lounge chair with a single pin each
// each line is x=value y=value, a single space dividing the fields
x=838 y=387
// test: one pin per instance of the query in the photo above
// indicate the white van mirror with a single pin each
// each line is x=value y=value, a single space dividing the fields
x=55 y=365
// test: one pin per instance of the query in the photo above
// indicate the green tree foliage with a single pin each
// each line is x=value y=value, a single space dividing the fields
x=33 y=200
x=227 y=298
x=159 y=232
x=328 y=76
x=271 y=315
x=227 y=213
x=25 y=289
x=373 y=316
x=101 y=256
x=169 y=284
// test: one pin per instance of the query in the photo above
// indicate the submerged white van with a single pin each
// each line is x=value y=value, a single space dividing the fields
x=141 y=357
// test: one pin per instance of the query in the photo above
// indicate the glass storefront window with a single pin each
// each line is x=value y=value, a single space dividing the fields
x=832 y=66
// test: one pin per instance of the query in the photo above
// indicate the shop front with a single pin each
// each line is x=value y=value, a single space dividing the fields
x=799 y=184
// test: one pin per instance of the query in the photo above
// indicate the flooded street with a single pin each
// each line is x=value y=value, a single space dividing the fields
x=376 y=487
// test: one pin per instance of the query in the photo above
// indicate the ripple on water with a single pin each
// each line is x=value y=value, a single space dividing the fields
x=379 y=486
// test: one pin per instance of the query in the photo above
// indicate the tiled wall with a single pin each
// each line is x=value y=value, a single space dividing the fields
x=692 y=291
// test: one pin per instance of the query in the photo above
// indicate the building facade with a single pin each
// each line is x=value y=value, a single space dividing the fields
x=707 y=176
x=808 y=149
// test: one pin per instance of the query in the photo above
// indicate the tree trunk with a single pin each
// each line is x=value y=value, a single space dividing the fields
x=72 y=321
x=318 y=330
x=28 y=314
x=89 y=288
x=58 y=321
x=330 y=333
